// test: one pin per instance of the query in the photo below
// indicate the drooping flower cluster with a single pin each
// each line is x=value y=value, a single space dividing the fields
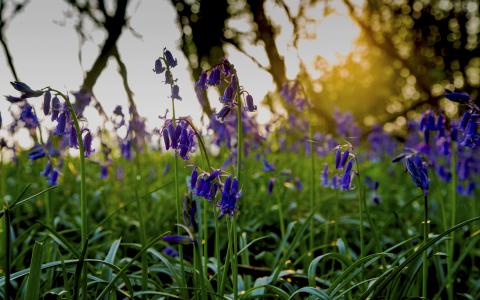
x=64 y=129
x=205 y=184
x=224 y=75
x=179 y=136
x=341 y=181
x=416 y=167
x=230 y=194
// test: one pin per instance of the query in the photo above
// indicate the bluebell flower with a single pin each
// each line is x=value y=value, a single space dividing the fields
x=418 y=171
x=193 y=178
x=61 y=124
x=38 y=151
x=223 y=113
x=324 y=181
x=159 y=69
x=47 y=97
x=230 y=196
x=335 y=182
x=56 y=107
x=52 y=180
x=202 y=81
x=87 y=144
x=267 y=167
x=126 y=149
x=338 y=156
x=347 y=176
x=250 y=106
x=26 y=91
x=103 y=171
x=48 y=169
x=461 y=98
x=175 y=92
x=82 y=100
x=345 y=156
x=169 y=58
x=228 y=94
x=465 y=118
x=28 y=117
x=271 y=183
x=13 y=99
x=170 y=252
x=214 y=77
x=298 y=184
x=73 y=141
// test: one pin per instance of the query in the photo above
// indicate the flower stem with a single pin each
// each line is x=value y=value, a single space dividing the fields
x=453 y=208
x=313 y=187
x=7 y=250
x=425 y=240
x=83 y=199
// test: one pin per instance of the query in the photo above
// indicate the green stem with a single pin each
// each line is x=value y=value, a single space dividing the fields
x=7 y=251
x=280 y=217
x=453 y=208
x=177 y=202
x=425 y=240
x=83 y=200
x=313 y=187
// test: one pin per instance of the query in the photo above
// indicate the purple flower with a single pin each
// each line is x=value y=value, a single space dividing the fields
x=126 y=149
x=28 y=117
x=13 y=99
x=271 y=184
x=103 y=171
x=56 y=107
x=344 y=159
x=324 y=180
x=417 y=170
x=47 y=97
x=229 y=93
x=193 y=178
x=36 y=152
x=338 y=156
x=159 y=69
x=26 y=91
x=170 y=252
x=214 y=77
x=250 y=106
x=298 y=184
x=73 y=141
x=175 y=92
x=61 y=124
x=169 y=58
x=461 y=98
x=267 y=167
x=202 y=81
x=230 y=196
x=87 y=144
x=48 y=169
x=347 y=176
x=223 y=113
x=52 y=180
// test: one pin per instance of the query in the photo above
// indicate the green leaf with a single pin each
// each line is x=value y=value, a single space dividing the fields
x=33 y=284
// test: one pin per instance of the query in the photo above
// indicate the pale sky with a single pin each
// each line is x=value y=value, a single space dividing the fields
x=45 y=53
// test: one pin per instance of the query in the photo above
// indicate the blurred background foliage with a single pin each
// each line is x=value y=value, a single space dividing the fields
x=407 y=53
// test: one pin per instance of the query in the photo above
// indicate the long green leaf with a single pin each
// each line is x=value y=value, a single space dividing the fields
x=382 y=282
x=33 y=284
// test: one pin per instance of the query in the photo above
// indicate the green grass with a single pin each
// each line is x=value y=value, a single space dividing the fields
x=127 y=219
